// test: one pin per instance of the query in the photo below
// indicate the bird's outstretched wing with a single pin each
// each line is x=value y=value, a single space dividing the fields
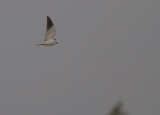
x=50 y=30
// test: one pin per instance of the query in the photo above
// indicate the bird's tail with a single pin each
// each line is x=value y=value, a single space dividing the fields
x=40 y=44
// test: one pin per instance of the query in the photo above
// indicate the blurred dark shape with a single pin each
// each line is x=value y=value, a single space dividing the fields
x=117 y=109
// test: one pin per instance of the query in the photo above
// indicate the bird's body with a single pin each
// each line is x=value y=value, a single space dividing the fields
x=50 y=33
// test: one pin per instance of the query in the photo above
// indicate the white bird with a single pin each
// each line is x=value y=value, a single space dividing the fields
x=50 y=33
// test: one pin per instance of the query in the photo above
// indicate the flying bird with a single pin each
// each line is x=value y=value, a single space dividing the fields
x=50 y=33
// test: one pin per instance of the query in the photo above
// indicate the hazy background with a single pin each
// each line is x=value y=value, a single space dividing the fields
x=109 y=50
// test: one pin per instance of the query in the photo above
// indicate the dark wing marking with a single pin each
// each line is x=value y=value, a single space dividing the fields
x=49 y=23
x=50 y=30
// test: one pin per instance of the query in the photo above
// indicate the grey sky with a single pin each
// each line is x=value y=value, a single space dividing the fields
x=108 y=50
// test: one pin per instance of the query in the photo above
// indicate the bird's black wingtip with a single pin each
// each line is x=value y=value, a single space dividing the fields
x=49 y=22
x=47 y=16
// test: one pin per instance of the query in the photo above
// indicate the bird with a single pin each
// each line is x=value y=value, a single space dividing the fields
x=50 y=34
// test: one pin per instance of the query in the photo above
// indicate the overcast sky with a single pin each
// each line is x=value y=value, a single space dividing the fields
x=109 y=50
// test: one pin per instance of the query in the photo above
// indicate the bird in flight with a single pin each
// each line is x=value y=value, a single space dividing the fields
x=50 y=33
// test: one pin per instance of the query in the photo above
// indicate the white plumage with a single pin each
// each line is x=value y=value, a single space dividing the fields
x=50 y=33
